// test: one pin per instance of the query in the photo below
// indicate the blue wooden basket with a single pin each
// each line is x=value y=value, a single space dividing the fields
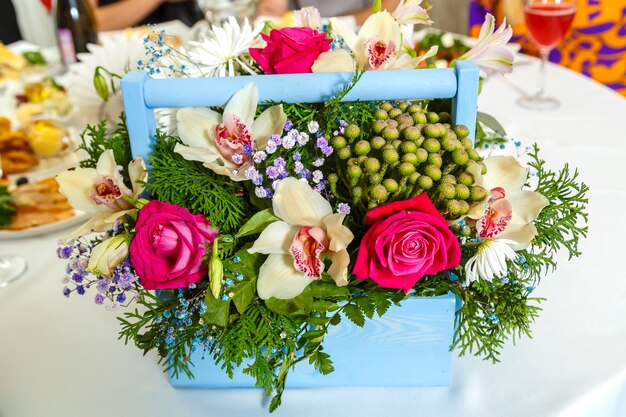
x=408 y=346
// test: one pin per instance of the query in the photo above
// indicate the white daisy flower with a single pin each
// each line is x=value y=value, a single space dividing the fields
x=490 y=260
x=224 y=51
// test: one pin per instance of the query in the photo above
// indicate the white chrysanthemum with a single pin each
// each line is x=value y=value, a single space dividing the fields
x=222 y=51
x=117 y=53
x=490 y=260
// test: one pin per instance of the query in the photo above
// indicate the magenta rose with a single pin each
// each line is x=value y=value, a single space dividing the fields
x=406 y=240
x=290 y=50
x=169 y=245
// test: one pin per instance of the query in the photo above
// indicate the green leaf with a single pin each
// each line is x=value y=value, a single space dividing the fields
x=367 y=305
x=322 y=363
x=300 y=305
x=335 y=319
x=257 y=223
x=324 y=305
x=244 y=294
x=320 y=289
x=354 y=314
x=217 y=311
x=491 y=122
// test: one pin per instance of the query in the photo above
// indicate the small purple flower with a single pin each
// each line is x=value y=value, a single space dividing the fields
x=64 y=252
x=298 y=168
x=251 y=173
x=288 y=125
x=317 y=176
x=313 y=126
x=302 y=139
x=343 y=124
x=66 y=292
x=280 y=162
x=289 y=142
x=327 y=150
x=120 y=298
x=260 y=192
x=259 y=157
x=102 y=285
x=276 y=139
x=99 y=299
x=118 y=226
x=272 y=173
x=80 y=289
x=77 y=277
x=322 y=142
x=247 y=150
x=296 y=156
x=258 y=180
x=271 y=147
x=238 y=159
x=125 y=280
x=306 y=174
x=320 y=187
x=343 y=208
x=269 y=193
x=318 y=162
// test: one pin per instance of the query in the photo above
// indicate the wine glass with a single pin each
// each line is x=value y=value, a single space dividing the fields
x=11 y=266
x=547 y=22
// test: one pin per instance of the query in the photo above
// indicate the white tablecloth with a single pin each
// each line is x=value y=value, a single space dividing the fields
x=60 y=357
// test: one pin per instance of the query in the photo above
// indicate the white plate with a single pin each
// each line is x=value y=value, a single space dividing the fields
x=45 y=229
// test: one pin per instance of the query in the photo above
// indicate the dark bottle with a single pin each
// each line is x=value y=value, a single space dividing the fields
x=76 y=27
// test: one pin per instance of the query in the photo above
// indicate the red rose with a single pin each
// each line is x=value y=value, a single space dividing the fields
x=406 y=240
x=290 y=50
x=169 y=245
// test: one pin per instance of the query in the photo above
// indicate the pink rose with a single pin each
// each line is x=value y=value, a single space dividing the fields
x=290 y=50
x=406 y=240
x=169 y=245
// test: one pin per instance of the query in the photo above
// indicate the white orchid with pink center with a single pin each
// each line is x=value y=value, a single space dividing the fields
x=490 y=52
x=377 y=46
x=411 y=12
x=220 y=141
x=308 y=232
x=101 y=192
x=510 y=210
x=308 y=17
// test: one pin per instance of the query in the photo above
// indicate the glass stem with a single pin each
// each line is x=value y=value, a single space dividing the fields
x=543 y=52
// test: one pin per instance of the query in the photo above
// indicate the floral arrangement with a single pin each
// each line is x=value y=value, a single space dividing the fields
x=262 y=226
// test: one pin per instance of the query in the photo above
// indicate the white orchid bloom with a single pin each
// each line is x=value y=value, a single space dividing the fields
x=107 y=255
x=378 y=45
x=101 y=192
x=218 y=141
x=490 y=260
x=490 y=52
x=411 y=12
x=510 y=211
x=308 y=17
x=307 y=232
x=377 y=42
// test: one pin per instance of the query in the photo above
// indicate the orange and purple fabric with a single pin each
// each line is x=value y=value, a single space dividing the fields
x=595 y=46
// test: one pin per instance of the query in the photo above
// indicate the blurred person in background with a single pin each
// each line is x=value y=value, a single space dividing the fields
x=595 y=46
x=360 y=9
x=120 y=14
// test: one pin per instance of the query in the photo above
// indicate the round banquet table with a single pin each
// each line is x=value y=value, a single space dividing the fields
x=61 y=357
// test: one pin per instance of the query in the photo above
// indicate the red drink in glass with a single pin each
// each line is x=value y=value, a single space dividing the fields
x=548 y=23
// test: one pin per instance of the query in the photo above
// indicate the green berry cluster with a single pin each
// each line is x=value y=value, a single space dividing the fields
x=410 y=150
